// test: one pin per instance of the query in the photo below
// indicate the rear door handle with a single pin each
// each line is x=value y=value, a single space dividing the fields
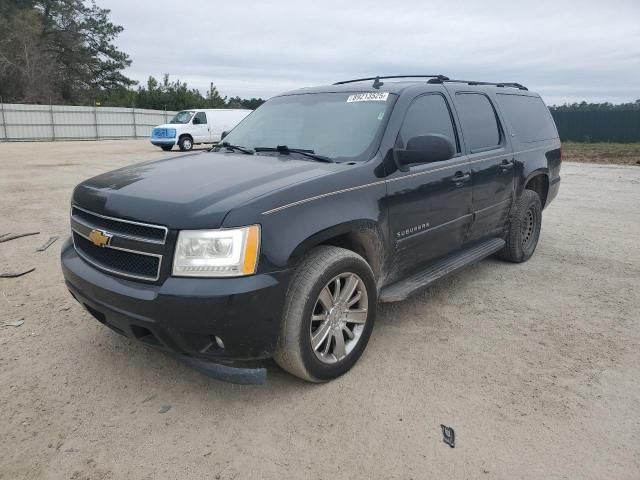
x=506 y=165
x=460 y=178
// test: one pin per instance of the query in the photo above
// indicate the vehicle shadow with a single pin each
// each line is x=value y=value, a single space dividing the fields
x=172 y=375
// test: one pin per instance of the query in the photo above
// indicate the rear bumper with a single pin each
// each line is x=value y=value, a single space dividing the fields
x=183 y=315
x=554 y=187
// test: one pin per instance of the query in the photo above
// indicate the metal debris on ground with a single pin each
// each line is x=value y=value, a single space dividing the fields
x=47 y=244
x=12 y=324
x=8 y=237
x=149 y=398
x=15 y=274
x=448 y=436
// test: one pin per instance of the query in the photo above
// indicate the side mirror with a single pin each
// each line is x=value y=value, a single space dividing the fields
x=196 y=121
x=433 y=147
x=223 y=134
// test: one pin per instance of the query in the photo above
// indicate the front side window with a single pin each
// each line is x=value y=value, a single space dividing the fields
x=342 y=126
x=427 y=114
x=182 y=117
x=200 y=118
x=479 y=122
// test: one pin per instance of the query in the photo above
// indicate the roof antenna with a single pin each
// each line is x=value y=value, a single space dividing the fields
x=377 y=83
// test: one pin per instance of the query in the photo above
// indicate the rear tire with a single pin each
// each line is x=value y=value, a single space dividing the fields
x=185 y=143
x=342 y=281
x=166 y=148
x=524 y=228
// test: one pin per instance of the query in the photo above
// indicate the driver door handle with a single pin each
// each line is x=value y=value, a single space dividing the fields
x=460 y=178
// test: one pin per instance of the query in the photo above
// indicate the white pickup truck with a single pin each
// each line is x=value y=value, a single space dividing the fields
x=192 y=127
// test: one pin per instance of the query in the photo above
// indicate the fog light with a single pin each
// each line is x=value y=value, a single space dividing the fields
x=219 y=342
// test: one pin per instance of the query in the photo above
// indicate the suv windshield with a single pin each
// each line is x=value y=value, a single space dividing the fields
x=182 y=117
x=342 y=126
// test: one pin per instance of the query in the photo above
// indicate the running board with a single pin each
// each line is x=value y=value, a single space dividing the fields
x=401 y=290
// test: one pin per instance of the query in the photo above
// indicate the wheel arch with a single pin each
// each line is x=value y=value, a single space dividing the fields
x=538 y=181
x=363 y=237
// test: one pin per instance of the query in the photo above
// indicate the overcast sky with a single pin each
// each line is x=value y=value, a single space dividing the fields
x=567 y=50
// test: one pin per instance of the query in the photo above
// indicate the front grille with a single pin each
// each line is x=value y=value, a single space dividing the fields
x=163 y=133
x=118 y=261
x=113 y=225
x=123 y=247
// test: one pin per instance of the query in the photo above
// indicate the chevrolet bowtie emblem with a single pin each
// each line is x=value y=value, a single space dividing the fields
x=99 y=238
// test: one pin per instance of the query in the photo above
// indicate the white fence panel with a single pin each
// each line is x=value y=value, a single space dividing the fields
x=19 y=122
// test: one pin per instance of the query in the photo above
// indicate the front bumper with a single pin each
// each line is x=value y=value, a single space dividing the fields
x=160 y=142
x=183 y=315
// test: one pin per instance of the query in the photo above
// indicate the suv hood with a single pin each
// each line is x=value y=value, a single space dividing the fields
x=191 y=191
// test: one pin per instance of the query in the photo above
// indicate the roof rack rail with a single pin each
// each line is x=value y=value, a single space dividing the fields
x=475 y=82
x=432 y=79
x=377 y=83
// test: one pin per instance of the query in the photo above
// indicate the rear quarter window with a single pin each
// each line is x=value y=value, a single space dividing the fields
x=529 y=117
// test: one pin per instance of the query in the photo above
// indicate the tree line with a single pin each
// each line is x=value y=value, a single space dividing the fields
x=63 y=52
x=171 y=95
x=595 y=107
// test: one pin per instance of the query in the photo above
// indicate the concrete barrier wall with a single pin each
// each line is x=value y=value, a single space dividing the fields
x=21 y=122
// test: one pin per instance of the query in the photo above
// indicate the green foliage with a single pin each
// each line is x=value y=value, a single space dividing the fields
x=595 y=107
x=62 y=49
x=252 y=104
x=171 y=95
x=26 y=66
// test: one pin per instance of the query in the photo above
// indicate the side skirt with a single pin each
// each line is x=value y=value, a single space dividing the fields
x=402 y=289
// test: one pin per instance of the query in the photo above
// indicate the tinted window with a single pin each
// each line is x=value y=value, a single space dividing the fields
x=427 y=114
x=529 y=117
x=200 y=119
x=479 y=122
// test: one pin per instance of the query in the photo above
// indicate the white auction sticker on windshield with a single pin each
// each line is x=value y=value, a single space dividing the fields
x=368 y=97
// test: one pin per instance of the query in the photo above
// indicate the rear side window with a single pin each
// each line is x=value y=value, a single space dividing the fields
x=479 y=121
x=427 y=114
x=529 y=117
x=200 y=119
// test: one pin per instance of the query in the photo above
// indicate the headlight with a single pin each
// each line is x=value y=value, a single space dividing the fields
x=229 y=252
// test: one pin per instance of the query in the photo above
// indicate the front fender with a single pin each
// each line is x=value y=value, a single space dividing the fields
x=290 y=232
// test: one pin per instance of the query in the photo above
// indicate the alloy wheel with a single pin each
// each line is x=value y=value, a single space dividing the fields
x=338 y=318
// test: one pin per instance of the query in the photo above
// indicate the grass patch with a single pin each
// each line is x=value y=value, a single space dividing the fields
x=618 y=153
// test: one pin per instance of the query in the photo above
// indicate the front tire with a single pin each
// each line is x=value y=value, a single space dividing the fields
x=185 y=143
x=524 y=228
x=166 y=148
x=328 y=316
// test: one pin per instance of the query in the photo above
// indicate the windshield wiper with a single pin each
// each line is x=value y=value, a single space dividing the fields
x=286 y=150
x=239 y=148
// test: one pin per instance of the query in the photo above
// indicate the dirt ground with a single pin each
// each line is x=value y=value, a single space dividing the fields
x=535 y=366
x=604 y=153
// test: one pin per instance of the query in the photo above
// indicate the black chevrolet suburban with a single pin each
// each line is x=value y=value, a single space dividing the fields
x=280 y=241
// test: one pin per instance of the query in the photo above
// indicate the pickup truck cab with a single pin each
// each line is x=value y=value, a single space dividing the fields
x=193 y=127
x=324 y=202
